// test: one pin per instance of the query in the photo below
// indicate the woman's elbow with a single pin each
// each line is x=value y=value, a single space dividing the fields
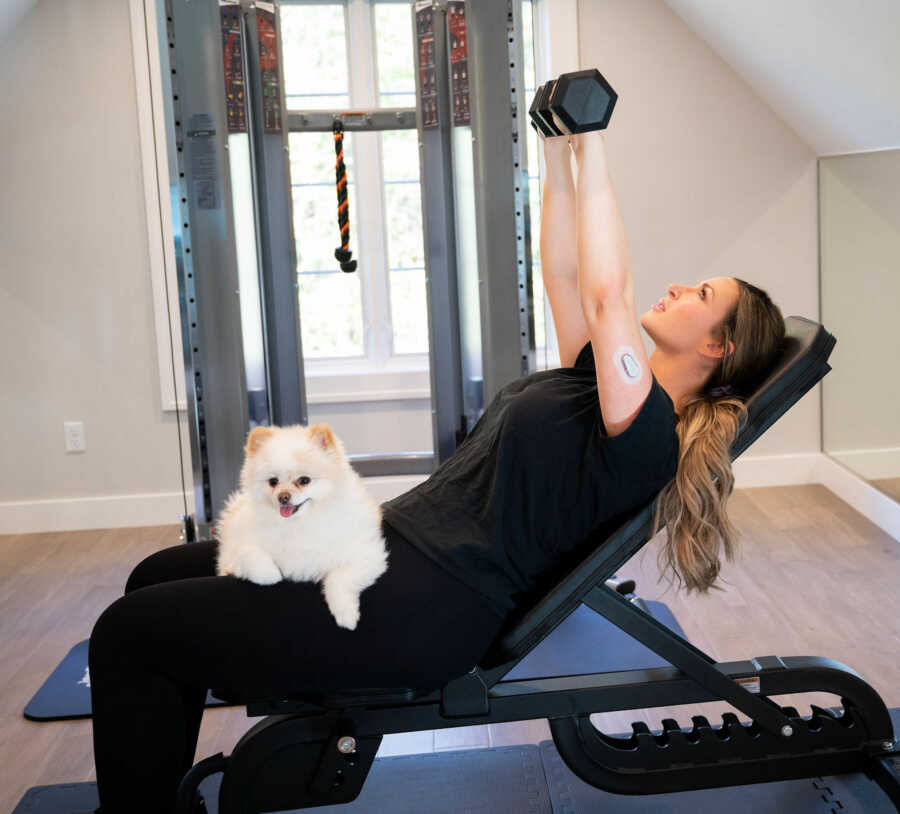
x=617 y=287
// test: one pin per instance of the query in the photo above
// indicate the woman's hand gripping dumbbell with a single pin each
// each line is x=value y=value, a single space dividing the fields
x=577 y=102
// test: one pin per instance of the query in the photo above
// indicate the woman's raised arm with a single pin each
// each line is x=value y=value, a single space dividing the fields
x=604 y=269
x=606 y=290
x=559 y=251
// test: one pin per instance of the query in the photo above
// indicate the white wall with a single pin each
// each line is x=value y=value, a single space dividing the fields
x=710 y=182
x=76 y=320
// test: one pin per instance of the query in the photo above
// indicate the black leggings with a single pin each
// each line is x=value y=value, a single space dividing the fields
x=180 y=629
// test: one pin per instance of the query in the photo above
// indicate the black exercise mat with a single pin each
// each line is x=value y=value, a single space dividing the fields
x=66 y=695
x=504 y=780
x=62 y=799
x=845 y=793
x=587 y=642
x=526 y=780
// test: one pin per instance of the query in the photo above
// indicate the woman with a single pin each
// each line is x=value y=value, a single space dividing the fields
x=554 y=455
x=715 y=342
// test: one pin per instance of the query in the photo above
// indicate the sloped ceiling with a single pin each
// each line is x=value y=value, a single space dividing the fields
x=829 y=68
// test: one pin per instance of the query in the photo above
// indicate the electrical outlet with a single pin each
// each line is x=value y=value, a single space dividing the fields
x=74 y=436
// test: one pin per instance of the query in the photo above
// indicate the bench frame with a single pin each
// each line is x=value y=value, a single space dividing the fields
x=317 y=750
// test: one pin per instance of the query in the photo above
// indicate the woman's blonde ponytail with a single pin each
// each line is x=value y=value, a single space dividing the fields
x=693 y=506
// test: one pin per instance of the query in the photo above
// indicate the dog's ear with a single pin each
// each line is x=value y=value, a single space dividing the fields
x=256 y=438
x=323 y=436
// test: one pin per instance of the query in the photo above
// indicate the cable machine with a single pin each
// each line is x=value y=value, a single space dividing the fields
x=223 y=74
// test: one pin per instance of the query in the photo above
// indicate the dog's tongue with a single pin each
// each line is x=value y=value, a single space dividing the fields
x=287 y=511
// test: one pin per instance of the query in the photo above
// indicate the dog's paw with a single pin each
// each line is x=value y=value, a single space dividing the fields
x=265 y=575
x=345 y=611
x=256 y=566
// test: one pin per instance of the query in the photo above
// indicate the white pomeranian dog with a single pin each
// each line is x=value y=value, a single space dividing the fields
x=303 y=514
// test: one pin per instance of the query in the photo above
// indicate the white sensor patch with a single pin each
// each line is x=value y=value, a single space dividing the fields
x=625 y=360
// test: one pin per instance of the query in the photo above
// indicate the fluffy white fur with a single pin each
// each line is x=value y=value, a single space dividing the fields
x=333 y=536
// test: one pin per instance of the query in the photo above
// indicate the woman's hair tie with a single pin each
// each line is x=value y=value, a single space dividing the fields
x=724 y=390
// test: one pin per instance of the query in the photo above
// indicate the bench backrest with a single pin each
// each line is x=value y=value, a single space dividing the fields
x=803 y=362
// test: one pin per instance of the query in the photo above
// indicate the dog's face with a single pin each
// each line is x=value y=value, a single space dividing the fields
x=290 y=469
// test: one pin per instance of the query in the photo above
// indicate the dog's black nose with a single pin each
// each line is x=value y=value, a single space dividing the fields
x=284 y=498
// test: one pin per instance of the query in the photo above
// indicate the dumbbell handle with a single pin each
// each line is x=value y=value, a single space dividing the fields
x=541 y=120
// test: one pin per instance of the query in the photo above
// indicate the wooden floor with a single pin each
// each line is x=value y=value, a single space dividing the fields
x=816 y=578
x=890 y=486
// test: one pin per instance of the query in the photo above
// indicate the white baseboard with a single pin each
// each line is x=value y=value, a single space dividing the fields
x=387 y=487
x=870 y=502
x=751 y=471
x=130 y=511
x=871 y=464
x=83 y=513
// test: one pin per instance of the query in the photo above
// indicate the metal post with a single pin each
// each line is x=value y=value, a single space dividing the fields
x=203 y=221
x=501 y=184
x=438 y=219
x=274 y=206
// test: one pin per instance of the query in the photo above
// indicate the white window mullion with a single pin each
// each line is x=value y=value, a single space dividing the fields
x=381 y=317
x=368 y=181
x=382 y=279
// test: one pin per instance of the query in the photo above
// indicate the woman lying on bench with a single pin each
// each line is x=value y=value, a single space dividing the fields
x=554 y=455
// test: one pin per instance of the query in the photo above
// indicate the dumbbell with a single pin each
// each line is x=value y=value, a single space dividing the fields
x=582 y=101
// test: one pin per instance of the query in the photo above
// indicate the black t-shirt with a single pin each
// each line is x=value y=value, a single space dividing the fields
x=533 y=478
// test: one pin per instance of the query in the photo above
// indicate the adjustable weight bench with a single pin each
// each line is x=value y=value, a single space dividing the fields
x=317 y=750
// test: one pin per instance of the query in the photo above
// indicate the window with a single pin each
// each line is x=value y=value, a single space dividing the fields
x=327 y=78
x=378 y=313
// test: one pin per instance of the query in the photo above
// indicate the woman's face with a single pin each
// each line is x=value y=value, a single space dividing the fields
x=686 y=318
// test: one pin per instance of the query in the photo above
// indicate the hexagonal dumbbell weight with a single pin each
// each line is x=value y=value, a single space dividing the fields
x=539 y=109
x=581 y=101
